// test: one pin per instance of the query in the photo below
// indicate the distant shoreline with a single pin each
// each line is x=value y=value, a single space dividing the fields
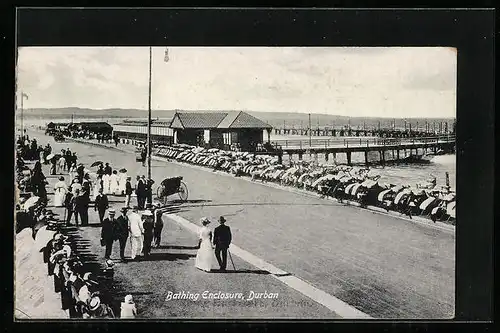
x=276 y=119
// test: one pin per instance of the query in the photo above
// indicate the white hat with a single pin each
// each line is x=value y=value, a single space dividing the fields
x=147 y=213
x=129 y=299
x=94 y=303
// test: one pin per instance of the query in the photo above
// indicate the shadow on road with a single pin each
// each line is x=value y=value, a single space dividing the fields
x=247 y=271
x=176 y=247
x=167 y=256
x=178 y=201
x=258 y=204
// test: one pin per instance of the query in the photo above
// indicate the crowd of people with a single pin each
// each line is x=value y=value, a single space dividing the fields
x=144 y=229
x=83 y=134
x=345 y=183
x=81 y=296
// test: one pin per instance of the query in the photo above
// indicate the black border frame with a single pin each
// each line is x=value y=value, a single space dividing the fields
x=470 y=31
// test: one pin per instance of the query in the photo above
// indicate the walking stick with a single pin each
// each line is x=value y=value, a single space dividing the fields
x=230 y=257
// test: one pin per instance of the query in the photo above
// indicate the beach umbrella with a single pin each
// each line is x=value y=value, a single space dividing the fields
x=427 y=202
x=355 y=188
x=303 y=176
x=49 y=157
x=345 y=179
x=323 y=179
x=396 y=188
x=290 y=171
x=382 y=194
x=400 y=195
x=368 y=183
x=96 y=163
x=32 y=201
x=348 y=188
x=419 y=192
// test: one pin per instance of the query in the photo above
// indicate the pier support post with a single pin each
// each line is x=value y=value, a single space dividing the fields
x=280 y=158
x=348 y=157
x=381 y=156
x=397 y=153
x=300 y=156
x=366 y=158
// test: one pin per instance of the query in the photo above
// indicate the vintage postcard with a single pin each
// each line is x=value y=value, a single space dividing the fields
x=235 y=183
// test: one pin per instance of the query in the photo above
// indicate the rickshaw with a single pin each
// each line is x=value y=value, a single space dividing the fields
x=59 y=137
x=170 y=186
x=139 y=153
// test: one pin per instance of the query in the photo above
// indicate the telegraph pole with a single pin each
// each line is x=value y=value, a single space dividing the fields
x=149 y=119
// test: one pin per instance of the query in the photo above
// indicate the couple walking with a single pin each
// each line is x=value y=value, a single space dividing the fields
x=221 y=241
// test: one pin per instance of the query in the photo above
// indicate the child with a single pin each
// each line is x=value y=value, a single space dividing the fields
x=128 y=309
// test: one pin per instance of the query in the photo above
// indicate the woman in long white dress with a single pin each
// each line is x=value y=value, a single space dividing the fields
x=61 y=163
x=105 y=184
x=205 y=254
x=113 y=183
x=97 y=187
x=76 y=186
x=60 y=190
x=122 y=181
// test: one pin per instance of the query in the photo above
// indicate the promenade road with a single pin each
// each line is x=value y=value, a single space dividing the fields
x=380 y=264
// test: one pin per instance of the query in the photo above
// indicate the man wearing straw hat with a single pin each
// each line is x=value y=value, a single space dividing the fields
x=136 y=231
x=121 y=231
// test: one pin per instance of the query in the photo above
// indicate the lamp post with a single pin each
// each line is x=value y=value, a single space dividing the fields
x=149 y=123
x=310 y=131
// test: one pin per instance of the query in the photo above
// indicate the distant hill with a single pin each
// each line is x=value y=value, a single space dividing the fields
x=276 y=119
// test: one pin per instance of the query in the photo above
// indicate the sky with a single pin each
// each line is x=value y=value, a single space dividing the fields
x=395 y=82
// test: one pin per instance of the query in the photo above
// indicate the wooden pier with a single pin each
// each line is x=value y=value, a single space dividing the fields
x=388 y=149
x=406 y=131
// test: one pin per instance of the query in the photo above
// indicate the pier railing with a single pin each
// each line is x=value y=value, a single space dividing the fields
x=360 y=142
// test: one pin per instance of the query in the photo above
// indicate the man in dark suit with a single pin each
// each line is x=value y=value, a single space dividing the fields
x=149 y=190
x=148 y=225
x=108 y=170
x=128 y=192
x=140 y=190
x=81 y=207
x=80 y=170
x=121 y=231
x=101 y=204
x=108 y=233
x=69 y=204
x=222 y=239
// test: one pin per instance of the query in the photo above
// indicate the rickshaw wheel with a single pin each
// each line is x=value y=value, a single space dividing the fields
x=183 y=191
